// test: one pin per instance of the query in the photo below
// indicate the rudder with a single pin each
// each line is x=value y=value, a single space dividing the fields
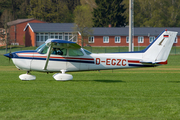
x=159 y=50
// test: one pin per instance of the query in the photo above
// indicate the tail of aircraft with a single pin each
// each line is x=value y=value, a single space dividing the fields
x=158 y=51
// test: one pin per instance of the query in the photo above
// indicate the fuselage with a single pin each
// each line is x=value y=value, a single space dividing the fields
x=35 y=61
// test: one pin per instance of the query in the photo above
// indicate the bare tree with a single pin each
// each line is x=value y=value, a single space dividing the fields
x=6 y=17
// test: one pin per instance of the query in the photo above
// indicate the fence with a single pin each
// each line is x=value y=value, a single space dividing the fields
x=174 y=51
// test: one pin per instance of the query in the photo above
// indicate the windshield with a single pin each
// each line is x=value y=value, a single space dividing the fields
x=42 y=49
x=39 y=48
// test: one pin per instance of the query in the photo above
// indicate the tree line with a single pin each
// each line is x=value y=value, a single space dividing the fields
x=97 y=13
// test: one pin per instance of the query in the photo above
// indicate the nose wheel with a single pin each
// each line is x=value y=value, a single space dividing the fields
x=27 y=76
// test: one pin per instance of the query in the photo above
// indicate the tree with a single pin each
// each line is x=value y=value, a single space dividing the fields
x=109 y=12
x=83 y=21
x=90 y=3
x=155 y=13
x=50 y=11
x=23 y=10
x=64 y=15
x=12 y=6
x=71 y=4
x=6 y=17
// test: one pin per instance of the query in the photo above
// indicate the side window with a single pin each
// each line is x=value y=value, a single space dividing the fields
x=74 y=52
x=59 y=51
x=62 y=52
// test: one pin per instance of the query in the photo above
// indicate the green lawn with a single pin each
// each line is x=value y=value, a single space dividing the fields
x=140 y=94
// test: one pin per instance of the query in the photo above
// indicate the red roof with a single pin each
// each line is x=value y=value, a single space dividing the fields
x=18 y=21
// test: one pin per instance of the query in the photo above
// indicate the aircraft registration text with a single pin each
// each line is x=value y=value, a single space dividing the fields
x=113 y=62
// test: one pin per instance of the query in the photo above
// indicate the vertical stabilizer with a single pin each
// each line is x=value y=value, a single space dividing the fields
x=159 y=50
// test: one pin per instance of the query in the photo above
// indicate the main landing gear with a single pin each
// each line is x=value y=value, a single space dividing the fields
x=58 y=76
x=62 y=76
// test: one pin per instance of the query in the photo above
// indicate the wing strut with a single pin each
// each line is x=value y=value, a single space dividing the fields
x=48 y=56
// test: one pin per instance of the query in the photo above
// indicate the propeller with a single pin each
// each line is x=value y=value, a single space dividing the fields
x=10 y=56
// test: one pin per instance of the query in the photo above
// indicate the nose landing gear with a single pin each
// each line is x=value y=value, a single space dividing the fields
x=27 y=76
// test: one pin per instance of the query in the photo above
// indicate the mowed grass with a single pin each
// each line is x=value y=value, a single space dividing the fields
x=140 y=94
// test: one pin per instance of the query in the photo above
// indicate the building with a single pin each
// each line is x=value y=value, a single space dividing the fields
x=114 y=36
x=38 y=33
x=17 y=35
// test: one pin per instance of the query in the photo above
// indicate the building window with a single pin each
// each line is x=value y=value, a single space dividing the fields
x=70 y=36
x=56 y=35
x=91 y=39
x=37 y=36
x=66 y=36
x=60 y=36
x=42 y=36
x=151 y=39
x=117 y=39
x=46 y=36
x=74 y=38
x=105 y=39
x=140 y=39
x=127 y=39
x=176 y=40
x=52 y=35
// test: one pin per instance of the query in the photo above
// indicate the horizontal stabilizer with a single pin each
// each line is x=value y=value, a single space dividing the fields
x=157 y=62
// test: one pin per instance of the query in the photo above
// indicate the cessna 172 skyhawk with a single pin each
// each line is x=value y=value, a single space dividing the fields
x=59 y=55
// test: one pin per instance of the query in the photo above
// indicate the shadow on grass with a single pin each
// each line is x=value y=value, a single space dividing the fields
x=174 y=81
x=105 y=81
x=108 y=81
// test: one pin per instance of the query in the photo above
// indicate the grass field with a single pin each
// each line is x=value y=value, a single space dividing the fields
x=128 y=94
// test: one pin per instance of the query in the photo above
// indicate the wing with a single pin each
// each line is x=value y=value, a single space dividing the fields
x=56 y=43
x=62 y=44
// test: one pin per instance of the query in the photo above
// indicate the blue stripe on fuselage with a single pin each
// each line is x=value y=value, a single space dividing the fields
x=63 y=60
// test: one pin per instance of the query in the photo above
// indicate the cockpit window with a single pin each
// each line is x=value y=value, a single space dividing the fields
x=42 y=49
x=87 y=52
x=75 y=52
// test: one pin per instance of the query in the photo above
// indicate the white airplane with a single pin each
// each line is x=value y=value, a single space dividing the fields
x=59 y=55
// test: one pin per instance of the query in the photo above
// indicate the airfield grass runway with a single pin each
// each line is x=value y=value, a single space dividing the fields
x=141 y=94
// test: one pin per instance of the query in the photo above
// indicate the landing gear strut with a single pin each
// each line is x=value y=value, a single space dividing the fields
x=27 y=76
